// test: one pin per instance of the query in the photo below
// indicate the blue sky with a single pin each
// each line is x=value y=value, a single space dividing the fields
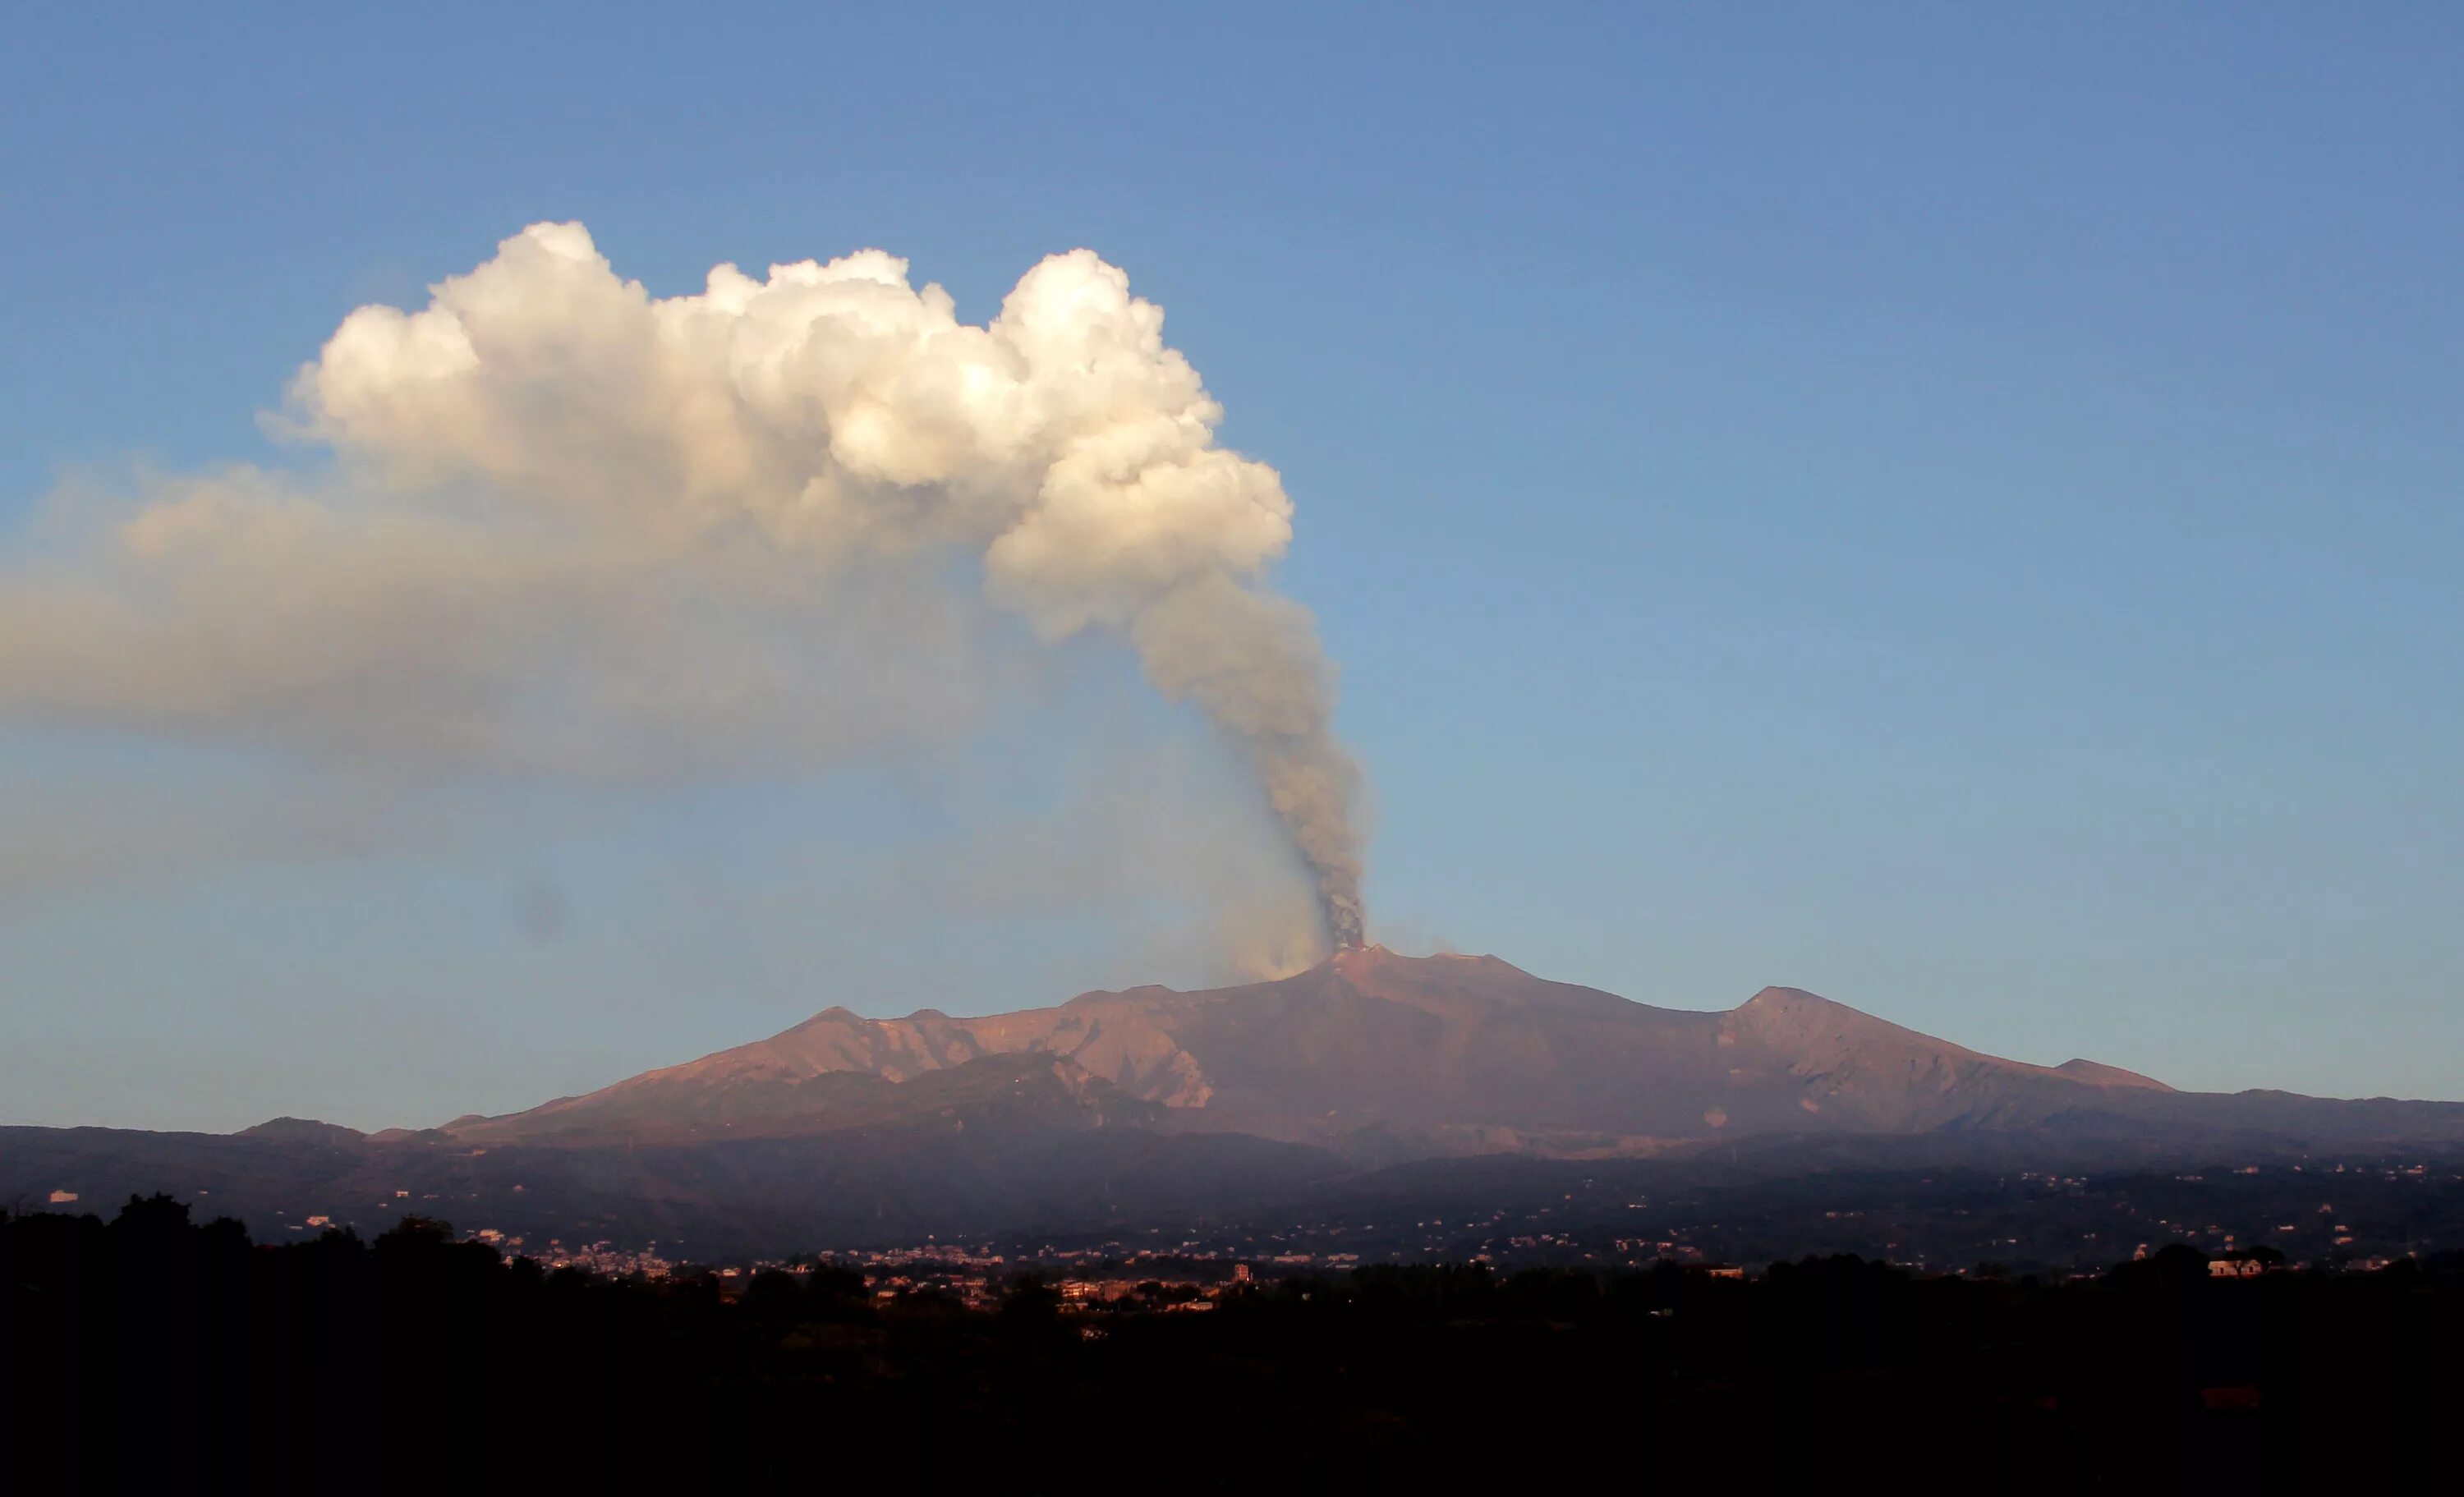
x=1956 y=511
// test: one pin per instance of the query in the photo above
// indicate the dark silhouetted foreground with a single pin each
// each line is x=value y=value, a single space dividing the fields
x=154 y=1352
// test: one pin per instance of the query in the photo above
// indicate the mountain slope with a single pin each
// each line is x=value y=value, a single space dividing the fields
x=1017 y=1092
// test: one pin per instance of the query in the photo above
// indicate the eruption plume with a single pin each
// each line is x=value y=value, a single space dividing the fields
x=542 y=420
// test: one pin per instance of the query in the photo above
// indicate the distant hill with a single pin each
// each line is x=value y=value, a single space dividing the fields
x=303 y=1129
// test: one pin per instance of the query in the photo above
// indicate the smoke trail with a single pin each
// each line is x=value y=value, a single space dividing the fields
x=1252 y=664
x=544 y=428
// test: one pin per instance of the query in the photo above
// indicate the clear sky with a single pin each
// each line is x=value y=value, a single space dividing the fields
x=1952 y=509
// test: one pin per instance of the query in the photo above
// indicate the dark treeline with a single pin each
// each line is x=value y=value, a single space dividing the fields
x=157 y=1352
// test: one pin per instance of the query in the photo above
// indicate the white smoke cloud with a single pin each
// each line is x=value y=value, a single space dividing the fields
x=574 y=528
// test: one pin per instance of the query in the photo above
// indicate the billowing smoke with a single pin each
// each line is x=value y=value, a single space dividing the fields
x=547 y=451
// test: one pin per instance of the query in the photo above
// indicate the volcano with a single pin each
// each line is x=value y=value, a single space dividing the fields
x=1377 y=1083
x=1376 y=1055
